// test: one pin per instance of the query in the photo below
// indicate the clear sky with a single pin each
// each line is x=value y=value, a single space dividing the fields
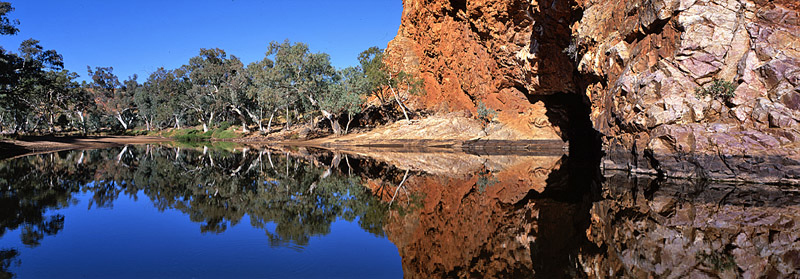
x=137 y=37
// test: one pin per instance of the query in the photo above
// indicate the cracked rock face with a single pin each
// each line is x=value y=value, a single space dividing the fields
x=653 y=56
x=639 y=63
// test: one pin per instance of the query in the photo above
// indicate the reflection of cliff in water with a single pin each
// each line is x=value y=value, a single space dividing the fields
x=557 y=217
x=679 y=229
x=506 y=216
x=450 y=214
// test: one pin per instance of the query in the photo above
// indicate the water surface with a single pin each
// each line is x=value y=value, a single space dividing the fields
x=174 y=211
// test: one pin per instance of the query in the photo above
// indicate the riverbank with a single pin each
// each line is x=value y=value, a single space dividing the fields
x=29 y=145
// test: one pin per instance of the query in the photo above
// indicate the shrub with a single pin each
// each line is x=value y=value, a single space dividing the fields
x=485 y=180
x=224 y=134
x=718 y=89
x=192 y=136
x=485 y=114
x=224 y=125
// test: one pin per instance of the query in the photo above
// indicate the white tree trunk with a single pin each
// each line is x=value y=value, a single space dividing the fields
x=119 y=157
x=349 y=119
x=121 y=121
x=269 y=125
x=399 y=103
x=287 y=118
x=243 y=118
x=334 y=124
x=83 y=121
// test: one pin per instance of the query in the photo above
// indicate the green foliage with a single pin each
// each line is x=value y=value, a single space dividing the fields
x=195 y=135
x=220 y=133
x=718 y=89
x=381 y=77
x=191 y=135
x=224 y=125
x=377 y=77
x=718 y=261
x=485 y=180
x=7 y=26
x=291 y=202
x=345 y=95
x=485 y=115
x=290 y=83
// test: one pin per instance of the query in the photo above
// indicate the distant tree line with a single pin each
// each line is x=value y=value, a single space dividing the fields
x=290 y=83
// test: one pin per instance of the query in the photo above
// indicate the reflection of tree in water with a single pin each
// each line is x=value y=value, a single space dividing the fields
x=29 y=187
x=7 y=258
x=26 y=195
x=212 y=187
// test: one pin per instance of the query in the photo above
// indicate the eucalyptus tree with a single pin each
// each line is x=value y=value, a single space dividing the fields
x=112 y=97
x=25 y=81
x=7 y=26
x=371 y=61
x=173 y=92
x=302 y=75
x=83 y=106
x=147 y=102
x=236 y=96
x=209 y=73
x=57 y=93
x=381 y=76
x=345 y=97
x=161 y=99
x=265 y=90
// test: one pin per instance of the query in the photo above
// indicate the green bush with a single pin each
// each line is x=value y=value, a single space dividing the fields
x=191 y=136
x=485 y=114
x=485 y=180
x=224 y=125
x=718 y=89
x=224 y=134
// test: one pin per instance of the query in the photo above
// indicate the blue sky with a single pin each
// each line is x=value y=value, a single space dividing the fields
x=137 y=37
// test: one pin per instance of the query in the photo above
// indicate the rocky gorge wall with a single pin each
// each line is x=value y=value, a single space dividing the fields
x=627 y=71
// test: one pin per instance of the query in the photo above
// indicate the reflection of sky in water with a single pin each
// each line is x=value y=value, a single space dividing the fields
x=509 y=216
x=133 y=239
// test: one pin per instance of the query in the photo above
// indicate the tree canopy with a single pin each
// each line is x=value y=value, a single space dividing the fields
x=290 y=84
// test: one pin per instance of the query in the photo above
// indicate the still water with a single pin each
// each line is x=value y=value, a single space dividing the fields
x=172 y=211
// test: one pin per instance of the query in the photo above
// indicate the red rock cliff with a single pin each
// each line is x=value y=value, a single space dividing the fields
x=637 y=64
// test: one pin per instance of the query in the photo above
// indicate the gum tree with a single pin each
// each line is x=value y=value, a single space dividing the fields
x=344 y=97
x=111 y=96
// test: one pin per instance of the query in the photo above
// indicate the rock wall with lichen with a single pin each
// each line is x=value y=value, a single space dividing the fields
x=637 y=64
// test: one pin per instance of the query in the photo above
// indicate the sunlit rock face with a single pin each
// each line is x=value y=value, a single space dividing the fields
x=650 y=229
x=650 y=58
x=639 y=64
x=470 y=51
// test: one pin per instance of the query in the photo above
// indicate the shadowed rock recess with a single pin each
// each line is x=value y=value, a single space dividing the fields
x=624 y=72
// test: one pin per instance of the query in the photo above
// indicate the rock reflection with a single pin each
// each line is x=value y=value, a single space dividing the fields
x=510 y=216
x=674 y=229
x=449 y=214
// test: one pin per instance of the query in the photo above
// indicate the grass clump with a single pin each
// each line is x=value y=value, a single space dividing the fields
x=485 y=115
x=223 y=133
x=485 y=180
x=190 y=135
x=195 y=135
x=718 y=89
